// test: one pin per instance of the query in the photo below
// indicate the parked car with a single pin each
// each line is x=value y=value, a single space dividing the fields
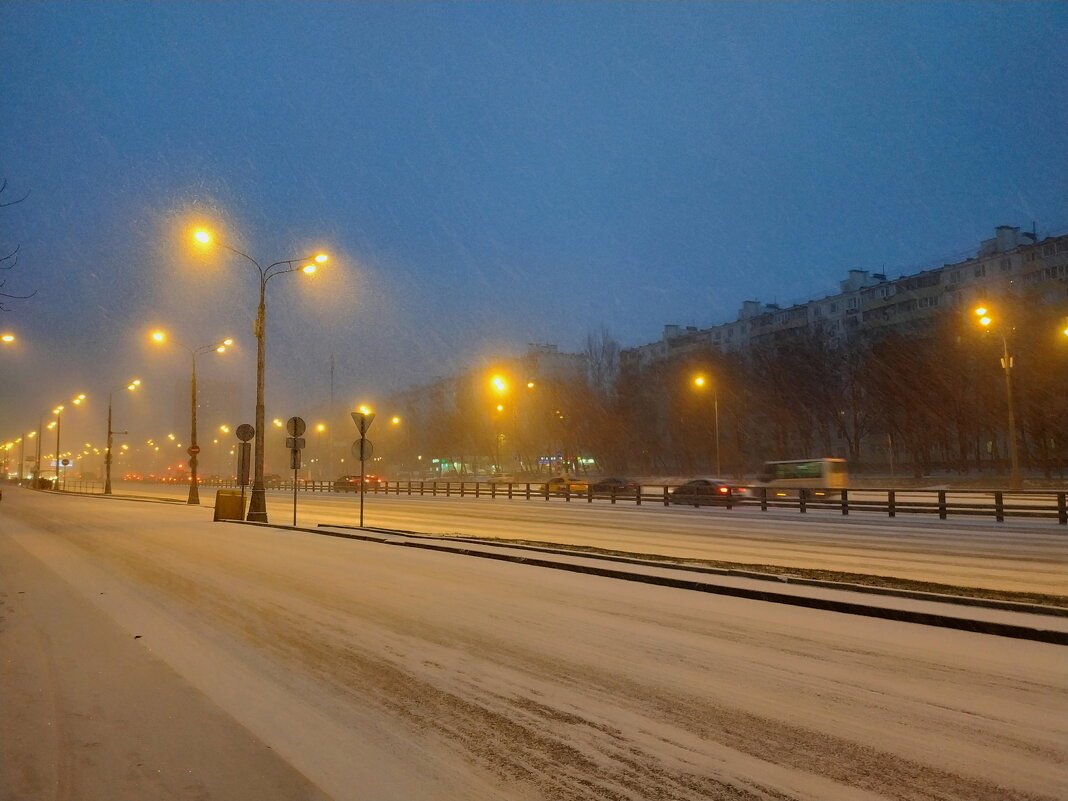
x=502 y=478
x=614 y=486
x=708 y=491
x=352 y=483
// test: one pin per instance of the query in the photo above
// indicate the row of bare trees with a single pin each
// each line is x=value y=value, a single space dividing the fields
x=933 y=399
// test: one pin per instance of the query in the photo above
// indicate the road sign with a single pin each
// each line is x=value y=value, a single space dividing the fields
x=296 y=426
x=362 y=449
x=363 y=420
x=245 y=432
x=295 y=442
x=193 y=450
x=66 y=462
x=294 y=461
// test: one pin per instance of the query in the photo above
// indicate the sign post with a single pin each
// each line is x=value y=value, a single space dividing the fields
x=245 y=432
x=295 y=442
x=362 y=448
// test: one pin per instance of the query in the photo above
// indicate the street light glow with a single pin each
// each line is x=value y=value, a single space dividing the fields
x=499 y=383
x=203 y=237
x=699 y=381
x=320 y=427
x=8 y=337
x=985 y=321
x=228 y=342
x=159 y=336
x=321 y=258
x=309 y=268
x=981 y=311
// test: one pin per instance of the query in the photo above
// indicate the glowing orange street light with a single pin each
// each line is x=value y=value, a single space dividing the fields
x=194 y=448
x=257 y=508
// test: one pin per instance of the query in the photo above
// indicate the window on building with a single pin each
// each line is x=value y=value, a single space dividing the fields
x=980 y=270
x=1006 y=265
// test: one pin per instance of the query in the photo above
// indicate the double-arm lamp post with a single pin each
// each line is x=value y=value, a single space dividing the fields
x=58 y=412
x=194 y=448
x=107 y=453
x=257 y=506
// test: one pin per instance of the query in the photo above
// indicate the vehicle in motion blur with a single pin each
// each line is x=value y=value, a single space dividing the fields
x=708 y=491
x=352 y=483
x=824 y=477
x=563 y=485
x=614 y=486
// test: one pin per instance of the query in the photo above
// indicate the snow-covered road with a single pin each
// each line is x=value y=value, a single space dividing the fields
x=276 y=664
x=1019 y=556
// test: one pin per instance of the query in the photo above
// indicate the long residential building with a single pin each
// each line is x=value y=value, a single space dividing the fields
x=1012 y=260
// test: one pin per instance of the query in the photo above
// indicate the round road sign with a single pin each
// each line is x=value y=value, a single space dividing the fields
x=245 y=432
x=296 y=427
x=193 y=450
x=362 y=449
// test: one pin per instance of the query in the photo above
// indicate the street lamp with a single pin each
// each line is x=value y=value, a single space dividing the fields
x=257 y=505
x=194 y=449
x=701 y=382
x=7 y=337
x=107 y=453
x=986 y=320
x=57 y=423
x=319 y=429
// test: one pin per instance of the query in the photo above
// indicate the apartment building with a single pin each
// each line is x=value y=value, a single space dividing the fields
x=1012 y=261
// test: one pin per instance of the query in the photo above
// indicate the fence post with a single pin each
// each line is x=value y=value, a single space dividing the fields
x=493 y=489
x=763 y=499
x=999 y=507
x=1062 y=508
x=567 y=491
x=891 y=503
x=665 y=496
x=845 y=501
x=612 y=493
x=638 y=495
x=942 y=505
x=589 y=493
x=509 y=490
x=801 y=501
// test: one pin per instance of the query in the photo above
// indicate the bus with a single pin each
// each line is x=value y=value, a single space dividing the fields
x=823 y=476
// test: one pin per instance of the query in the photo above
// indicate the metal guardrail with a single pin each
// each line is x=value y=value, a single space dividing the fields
x=999 y=504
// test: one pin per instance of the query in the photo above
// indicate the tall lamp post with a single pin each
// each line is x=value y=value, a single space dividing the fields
x=257 y=505
x=985 y=320
x=107 y=453
x=58 y=412
x=194 y=448
x=700 y=381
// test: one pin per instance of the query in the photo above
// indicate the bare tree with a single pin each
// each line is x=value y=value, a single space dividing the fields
x=9 y=260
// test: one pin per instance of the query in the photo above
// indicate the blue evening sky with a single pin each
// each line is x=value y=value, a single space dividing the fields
x=492 y=174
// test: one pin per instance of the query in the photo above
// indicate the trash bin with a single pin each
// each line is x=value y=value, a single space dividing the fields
x=229 y=505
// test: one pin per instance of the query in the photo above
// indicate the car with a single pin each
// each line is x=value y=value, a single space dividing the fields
x=708 y=491
x=502 y=478
x=563 y=485
x=272 y=480
x=614 y=486
x=352 y=483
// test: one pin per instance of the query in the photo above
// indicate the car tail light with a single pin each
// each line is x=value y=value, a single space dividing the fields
x=724 y=489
